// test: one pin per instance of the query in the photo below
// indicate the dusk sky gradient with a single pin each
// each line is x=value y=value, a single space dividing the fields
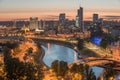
x=50 y=9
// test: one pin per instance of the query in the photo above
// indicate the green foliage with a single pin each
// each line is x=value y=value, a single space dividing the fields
x=17 y=50
x=88 y=52
x=96 y=29
x=38 y=53
x=7 y=53
x=17 y=70
x=14 y=69
x=77 y=68
x=60 y=68
x=108 y=39
x=12 y=45
x=104 y=43
x=80 y=44
x=33 y=72
x=29 y=50
x=2 y=72
x=109 y=72
x=86 y=71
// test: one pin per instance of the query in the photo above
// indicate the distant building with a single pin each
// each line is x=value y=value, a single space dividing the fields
x=25 y=29
x=44 y=25
x=39 y=30
x=115 y=31
x=79 y=19
x=101 y=19
x=95 y=17
x=33 y=23
x=62 y=17
x=14 y=24
x=41 y=26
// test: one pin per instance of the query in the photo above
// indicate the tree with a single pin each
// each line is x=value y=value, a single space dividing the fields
x=74 y=68
x=2 y=72
x=14 y=68
x=88 y=73
x=11 y=45
x=60 y=68
x=18 y=70
x=25 y=57
x=80 y=44
x=39 y=71
x=29 y=50
x=63 y=68
x=104 y=43
x=77 y=71
x=109 y=72
x=7 y=54
x=84 y=72
x=38 y=52
x=16 y=50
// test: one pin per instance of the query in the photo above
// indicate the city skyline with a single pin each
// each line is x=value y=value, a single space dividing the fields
x=47 y=9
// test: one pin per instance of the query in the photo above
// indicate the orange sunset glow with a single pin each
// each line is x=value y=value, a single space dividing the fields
x=46 y=9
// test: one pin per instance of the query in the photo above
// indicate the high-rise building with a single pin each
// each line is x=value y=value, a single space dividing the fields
x=62 y=17
x=95 y=17
x=33 y=23
x=14 y=24
x=41 y=24
x=79 y=19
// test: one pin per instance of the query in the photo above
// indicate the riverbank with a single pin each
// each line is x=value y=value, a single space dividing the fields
x=67 y=44
x=85 y=52
x=62 y=43
x=39 y=55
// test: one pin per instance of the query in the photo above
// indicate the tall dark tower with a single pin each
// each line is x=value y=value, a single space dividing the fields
x=80 y=19
x=62 y=17
x=95 y=17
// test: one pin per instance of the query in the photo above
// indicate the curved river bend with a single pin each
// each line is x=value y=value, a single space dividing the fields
x=57 y=52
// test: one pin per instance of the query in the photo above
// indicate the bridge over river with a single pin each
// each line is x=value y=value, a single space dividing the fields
x=102 y=62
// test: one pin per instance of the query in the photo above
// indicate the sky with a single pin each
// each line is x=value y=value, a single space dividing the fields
x=50 y=9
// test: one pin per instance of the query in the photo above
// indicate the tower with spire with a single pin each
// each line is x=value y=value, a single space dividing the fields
x=79 y=19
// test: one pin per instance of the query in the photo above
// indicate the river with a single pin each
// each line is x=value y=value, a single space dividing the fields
x=57 y=52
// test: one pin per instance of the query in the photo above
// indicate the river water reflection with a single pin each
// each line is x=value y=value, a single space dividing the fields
x=57 y=52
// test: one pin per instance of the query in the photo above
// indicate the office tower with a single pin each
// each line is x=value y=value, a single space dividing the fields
x=33 y=23
x=44 y=25
x=95 y=17
x=79 y=19
x=101 y=20
x=41 y=24
x=14 y=24
x=62 y=17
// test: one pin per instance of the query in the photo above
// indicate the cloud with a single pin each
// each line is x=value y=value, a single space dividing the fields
x=50 y=17
x=55 y=17
x=112 y=17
